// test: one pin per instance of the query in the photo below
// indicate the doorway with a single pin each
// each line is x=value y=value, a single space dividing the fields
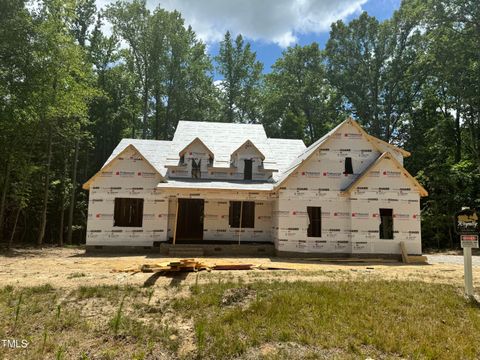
x=190 y=219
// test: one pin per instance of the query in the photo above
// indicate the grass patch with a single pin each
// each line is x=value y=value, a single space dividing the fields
x=76 y=275
x=361 y=318
x=113 y=293
x=58 y=326
x=252 y=320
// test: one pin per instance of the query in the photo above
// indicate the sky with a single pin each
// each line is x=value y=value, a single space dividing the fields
x=270 y=25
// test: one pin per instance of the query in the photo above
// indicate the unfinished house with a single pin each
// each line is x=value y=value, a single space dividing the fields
x=219 y=188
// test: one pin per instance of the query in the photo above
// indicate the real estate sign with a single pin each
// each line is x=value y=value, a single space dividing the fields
x=466 y=222
x=470 y=241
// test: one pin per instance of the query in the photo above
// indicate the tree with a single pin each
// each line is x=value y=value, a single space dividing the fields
x=299 y=101
x=182 y=85
x=374 y=65
x=131 y=21
x=241 y=80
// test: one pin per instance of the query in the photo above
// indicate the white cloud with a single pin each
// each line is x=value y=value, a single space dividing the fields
x=275 y=21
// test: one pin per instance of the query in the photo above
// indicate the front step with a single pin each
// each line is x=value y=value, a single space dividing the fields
x=183 y=252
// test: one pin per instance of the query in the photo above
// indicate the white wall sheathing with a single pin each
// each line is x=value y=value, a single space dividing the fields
x=130 y=176
x=349 y=225
x=287 y=178
x=216 y=215
x=385 y=186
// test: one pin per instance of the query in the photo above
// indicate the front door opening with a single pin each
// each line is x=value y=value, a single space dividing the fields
x=190 y=220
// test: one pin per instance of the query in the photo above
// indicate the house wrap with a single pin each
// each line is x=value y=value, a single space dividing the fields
x=347 y=193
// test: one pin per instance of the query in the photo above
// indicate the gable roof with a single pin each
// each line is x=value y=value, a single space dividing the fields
x=386 y=156
x=120 y=150
x=194 y=141
x=221 y=138
x=305 y=155
x=249 y=142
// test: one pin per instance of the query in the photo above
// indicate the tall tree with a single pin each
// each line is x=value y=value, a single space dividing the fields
x=374 y=65
x=299 y=101
x=131 y=21
x=240 y=85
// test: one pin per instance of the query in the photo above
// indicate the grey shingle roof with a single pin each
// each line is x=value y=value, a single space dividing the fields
x=154 y=151
x=222 y=139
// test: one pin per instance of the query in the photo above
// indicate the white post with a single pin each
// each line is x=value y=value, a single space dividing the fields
x=467 y=263
x=241 y=214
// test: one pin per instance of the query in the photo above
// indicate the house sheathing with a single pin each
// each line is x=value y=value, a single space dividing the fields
x=313 y=176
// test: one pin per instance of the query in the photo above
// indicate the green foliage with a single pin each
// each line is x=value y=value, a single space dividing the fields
x=65 y=85
x=350 y=317
x=299 y=101
x=241 y=80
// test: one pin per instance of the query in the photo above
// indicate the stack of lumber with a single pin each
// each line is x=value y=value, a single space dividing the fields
x=186 y=265
x=174 y=266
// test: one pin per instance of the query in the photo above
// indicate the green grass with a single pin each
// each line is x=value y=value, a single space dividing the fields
x=270 y=320
x=56 y=327
x=406 y=319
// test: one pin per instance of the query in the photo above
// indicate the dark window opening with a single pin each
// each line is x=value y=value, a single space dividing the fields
x=386 y=224
x=314 y=221
x=182 y=160
x=196 y=169
x=210 y=161
x=247 y=171
x=348 y=165
x=244 y=210
x=128 y=212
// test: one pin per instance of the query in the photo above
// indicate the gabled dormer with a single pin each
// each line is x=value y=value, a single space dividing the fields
x=193 y=161
x=247 y=159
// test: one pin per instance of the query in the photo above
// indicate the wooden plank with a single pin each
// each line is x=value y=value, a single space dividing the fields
x=233 y=267
x=175 y=228
x=417 y=259
x=404 y=252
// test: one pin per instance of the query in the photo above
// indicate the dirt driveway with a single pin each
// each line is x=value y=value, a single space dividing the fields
x=69 y=268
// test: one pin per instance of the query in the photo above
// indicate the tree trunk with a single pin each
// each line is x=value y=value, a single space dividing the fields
x=10 y=240
x=157 y=114
x=62 y=205
x=43 y=216
x=74 y=188
x=4 y=197
x=458 y=137
x=145 y=110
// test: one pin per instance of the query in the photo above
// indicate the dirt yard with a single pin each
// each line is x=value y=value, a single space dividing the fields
x=70 y=268
x=54 y=297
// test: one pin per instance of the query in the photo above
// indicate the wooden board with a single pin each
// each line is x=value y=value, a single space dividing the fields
x=404 y=252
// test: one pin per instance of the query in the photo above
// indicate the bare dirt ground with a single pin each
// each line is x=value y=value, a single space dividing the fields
x=70 y=268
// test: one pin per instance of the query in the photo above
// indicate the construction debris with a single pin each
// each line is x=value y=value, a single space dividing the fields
x=188 y=265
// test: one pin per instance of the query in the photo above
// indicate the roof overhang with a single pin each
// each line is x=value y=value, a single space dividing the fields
x=215 y=185
x=251 y=143
x=385 y=156
x=196 y=140
x=108 y=165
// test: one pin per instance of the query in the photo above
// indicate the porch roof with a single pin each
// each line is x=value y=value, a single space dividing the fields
x=215 y=185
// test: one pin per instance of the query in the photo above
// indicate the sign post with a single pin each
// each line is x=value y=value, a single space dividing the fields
x=466 y=225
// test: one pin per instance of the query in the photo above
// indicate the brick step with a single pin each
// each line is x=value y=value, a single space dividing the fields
x=185 y=252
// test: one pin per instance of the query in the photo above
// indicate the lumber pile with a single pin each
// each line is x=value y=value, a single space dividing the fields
x=183 y=265
x=188 y=265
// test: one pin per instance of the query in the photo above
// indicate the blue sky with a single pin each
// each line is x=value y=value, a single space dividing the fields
x=269 y=25
x=268 y=52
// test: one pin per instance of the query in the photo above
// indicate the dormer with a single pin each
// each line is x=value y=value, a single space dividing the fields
x=196 y=157
x=248 y=160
